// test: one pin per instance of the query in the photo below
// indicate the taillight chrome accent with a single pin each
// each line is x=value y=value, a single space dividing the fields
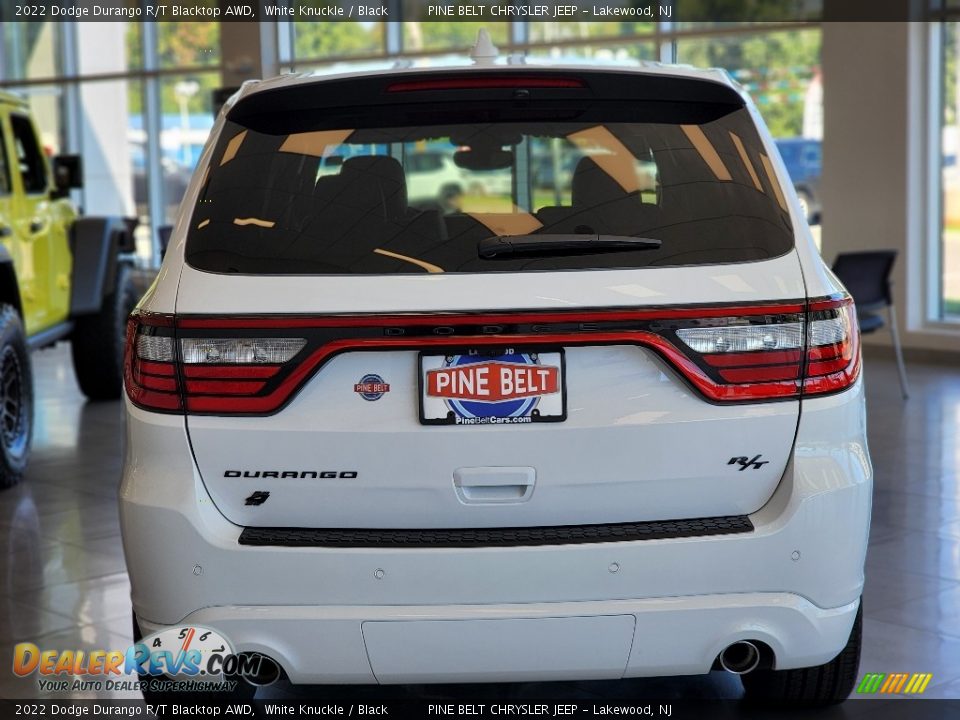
x=743 y=338
x=157 y=348
x=240 y=351
x=255 y=365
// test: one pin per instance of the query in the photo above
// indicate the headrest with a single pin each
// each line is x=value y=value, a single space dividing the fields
x=259 y=159
x=376 y=180
x=592 y=187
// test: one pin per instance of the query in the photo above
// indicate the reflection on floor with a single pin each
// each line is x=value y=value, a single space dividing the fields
x=64 y=584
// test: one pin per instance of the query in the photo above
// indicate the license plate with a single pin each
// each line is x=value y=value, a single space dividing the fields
x=506 y=387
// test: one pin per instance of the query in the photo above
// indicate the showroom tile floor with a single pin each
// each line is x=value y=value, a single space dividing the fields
x=64 y=584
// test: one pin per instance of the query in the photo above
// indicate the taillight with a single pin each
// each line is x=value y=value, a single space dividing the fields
x=149 y=363
x=166 y=369
x=833 y=346
x=776 y=355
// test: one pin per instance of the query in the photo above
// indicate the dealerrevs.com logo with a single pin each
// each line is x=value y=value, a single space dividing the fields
x=189 y=658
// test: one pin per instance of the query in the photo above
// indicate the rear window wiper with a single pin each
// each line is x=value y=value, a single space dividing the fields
x=501 y=247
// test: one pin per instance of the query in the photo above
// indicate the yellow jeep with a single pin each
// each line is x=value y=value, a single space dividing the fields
x=62 y=277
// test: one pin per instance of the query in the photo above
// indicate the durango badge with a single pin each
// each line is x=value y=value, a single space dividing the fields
x=371 y=387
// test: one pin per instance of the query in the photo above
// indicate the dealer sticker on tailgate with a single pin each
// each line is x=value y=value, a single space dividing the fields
x=478 y=388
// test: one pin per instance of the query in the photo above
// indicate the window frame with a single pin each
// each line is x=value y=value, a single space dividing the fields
x=929 y=252
x=5 y=173
x=42 y=165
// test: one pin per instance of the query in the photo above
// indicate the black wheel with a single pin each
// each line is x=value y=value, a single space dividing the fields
x=16 y=398
x=97 y=341
x=826 y=684
x=242 y=692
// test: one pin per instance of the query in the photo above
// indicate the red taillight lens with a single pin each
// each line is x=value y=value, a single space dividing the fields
x=833 y=347
x=149 y=363
x=205 y=372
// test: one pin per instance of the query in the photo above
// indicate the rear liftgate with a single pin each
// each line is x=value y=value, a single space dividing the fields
x=506 y=428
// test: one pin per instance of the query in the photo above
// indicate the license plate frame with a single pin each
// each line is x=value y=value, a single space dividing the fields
x=459 y=410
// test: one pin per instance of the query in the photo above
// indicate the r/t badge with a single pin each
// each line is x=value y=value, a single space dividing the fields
x=755 y=462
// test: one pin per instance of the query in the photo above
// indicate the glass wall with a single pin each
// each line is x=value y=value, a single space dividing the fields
x=31 y=50
x=340 y=40
x=578 y=32
x=948 y=280
x=449 y=36
x=186 y=106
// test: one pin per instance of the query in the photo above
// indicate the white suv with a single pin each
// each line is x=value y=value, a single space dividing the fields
x=609 y=430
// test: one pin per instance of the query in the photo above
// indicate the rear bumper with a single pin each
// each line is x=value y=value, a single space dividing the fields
x=544 y=641
x=794 y=582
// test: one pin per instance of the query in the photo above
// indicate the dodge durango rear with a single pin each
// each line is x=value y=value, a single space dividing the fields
x=397 y=385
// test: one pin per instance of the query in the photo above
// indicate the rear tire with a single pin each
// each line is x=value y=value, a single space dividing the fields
x=16 y=398
x=97 y=341
x=826 y=684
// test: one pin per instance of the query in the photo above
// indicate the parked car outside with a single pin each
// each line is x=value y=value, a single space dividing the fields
x=804 y=161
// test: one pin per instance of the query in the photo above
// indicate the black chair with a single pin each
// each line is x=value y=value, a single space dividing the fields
x=866 y=276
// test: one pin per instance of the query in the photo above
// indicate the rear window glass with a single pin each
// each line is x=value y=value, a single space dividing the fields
x=377 y=197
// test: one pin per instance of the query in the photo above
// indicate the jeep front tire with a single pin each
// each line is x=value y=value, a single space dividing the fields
x=16 y=396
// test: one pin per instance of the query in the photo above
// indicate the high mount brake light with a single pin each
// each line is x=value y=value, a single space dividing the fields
x=484 y=83
x=254 y=365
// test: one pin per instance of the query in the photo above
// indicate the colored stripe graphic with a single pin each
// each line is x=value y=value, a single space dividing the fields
x=918 y=683
x=893 y=683
x=890 y=682
x=871 y=682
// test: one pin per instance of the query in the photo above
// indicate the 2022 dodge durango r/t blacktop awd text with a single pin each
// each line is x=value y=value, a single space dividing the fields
x=611 y=427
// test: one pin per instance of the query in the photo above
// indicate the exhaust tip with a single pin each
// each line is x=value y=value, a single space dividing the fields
x=740 y=657
x=264 y=669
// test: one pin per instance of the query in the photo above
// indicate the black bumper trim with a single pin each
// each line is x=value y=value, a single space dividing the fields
x=495 y=537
